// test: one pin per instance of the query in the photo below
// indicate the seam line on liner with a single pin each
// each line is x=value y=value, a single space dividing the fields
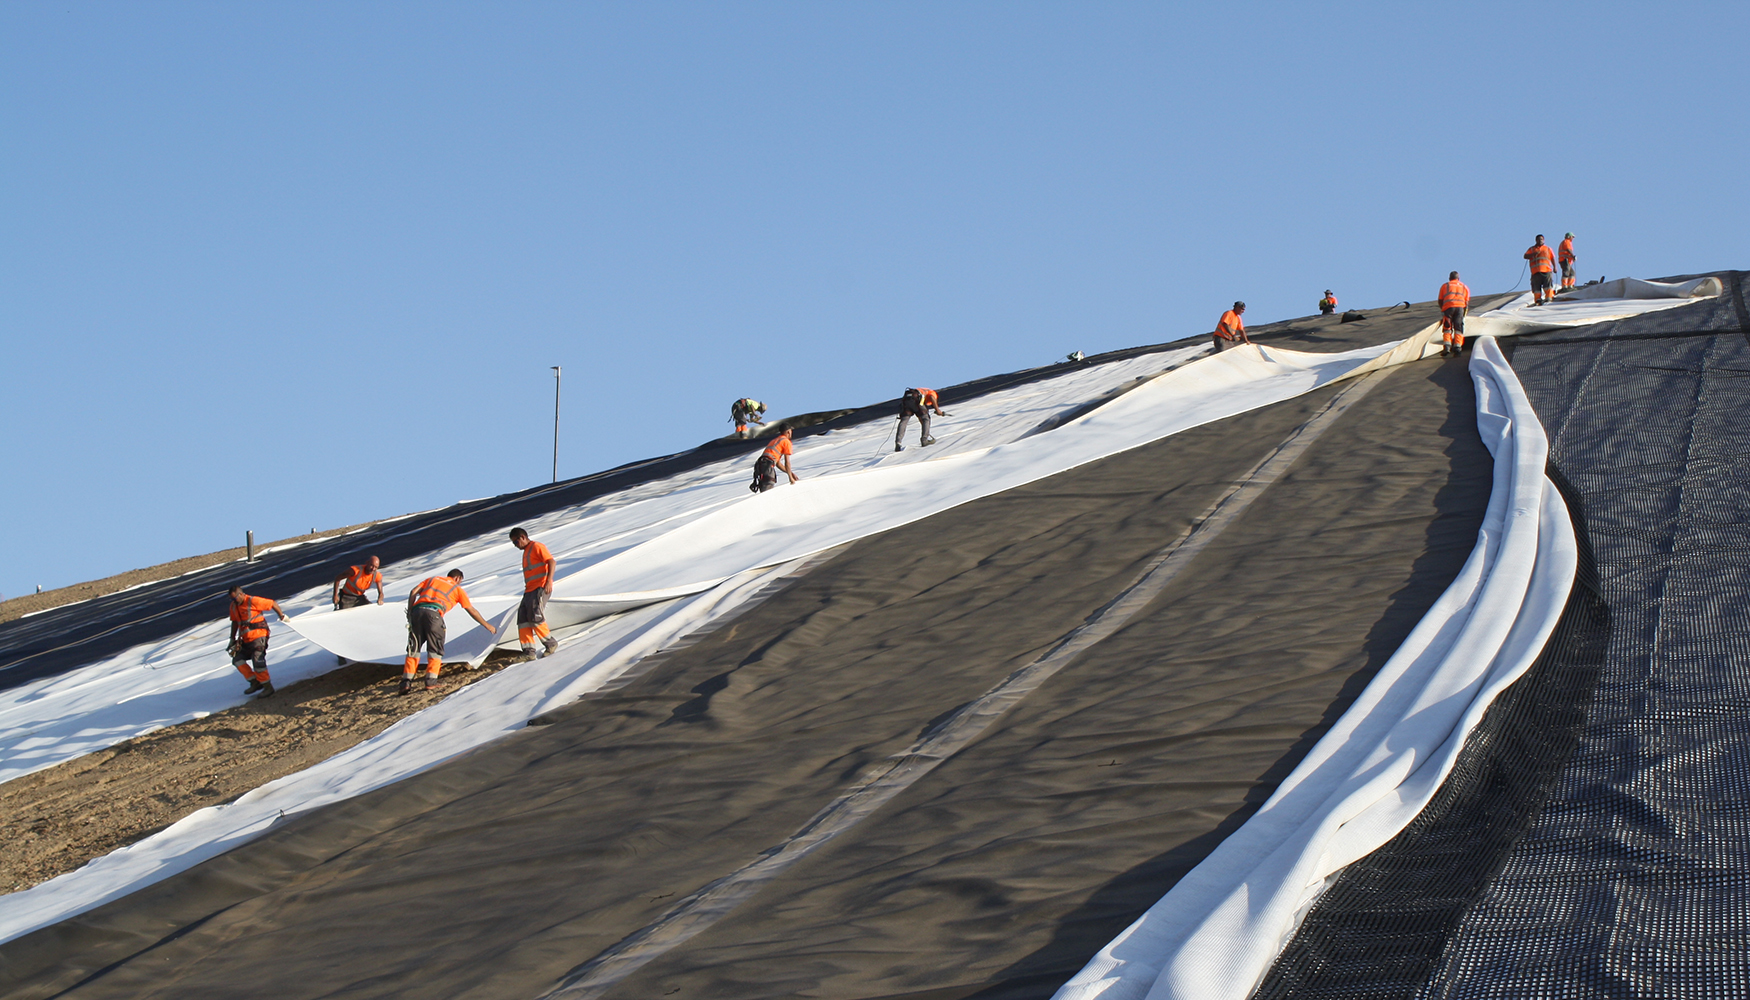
x=882 y=782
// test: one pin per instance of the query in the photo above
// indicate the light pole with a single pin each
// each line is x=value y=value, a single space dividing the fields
x=556 y=376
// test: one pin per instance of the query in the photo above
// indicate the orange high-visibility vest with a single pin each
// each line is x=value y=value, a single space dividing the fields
x=1230 y=326
x=1454 y=295
x=249 y=615
x=1330 y=300
x=1567 y=252
x=442 y=592
x=535 y=575
x=360 y=579
x=928 y=398
x=779 y=446
x=1542 y=258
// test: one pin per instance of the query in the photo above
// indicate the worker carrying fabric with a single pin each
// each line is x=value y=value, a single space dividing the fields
x=1543 y=271
x=1328 y=304
x=249 y=634
x=918 y=403
x=425 y=625
x=775 y=459
x=1230 y=330
x=1454 y=304
x=1565 y=256
x=746 y=411
x=350 y=585
x=531 y=615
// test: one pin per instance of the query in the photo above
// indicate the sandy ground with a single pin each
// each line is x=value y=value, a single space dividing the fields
x=18 y=607
x=56 y=820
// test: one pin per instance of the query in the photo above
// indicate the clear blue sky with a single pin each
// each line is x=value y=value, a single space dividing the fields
x=282 y=266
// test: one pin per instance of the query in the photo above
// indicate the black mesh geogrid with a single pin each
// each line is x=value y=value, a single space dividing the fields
x=1625 y=871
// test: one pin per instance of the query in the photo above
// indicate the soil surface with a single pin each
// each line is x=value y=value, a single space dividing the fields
x=57 y=819
x=18 y=607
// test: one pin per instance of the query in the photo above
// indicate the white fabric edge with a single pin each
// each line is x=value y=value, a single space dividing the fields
x=1216 y=933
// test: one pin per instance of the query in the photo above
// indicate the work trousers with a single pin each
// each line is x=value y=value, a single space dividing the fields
x=907 y=410
x=531 y=617
x=425 y=627
x=253 y=651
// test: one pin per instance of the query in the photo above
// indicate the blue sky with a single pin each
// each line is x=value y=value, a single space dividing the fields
x=283 y=266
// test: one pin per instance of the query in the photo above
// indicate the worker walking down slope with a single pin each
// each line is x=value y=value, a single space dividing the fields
x=1543 y=271
x=426 y=607
x=1230 y=330
x=249 y=634
x=918 y=403
x=531 y=615
x=746 y=411
x=1454 y=304
x=1565 y=255
x=1328 y=304
x=351 y=584
x=775 y=459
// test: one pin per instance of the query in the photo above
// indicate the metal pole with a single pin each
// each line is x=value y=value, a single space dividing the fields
x=556 y=376
x=249 y=546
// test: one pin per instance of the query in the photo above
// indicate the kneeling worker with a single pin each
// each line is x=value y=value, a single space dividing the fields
x=350 y=586
x=918 y=403
x=775 y=459
x=249 y=634
x=746 y=411
x=425 y=625
x=531 y=616
x=1454 y=303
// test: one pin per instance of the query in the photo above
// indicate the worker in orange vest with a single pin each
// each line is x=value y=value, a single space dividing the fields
x=1543 y=271
x=1328 y=304
x=1230 y=330
x=775 y=459
x=1565 y=254
x=249 y=633
x=918 y=403
x=426 y=607
x=1454 y=304
x=350 y=586
x=531 y=615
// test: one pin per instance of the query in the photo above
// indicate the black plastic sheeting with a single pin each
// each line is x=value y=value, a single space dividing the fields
x=1623 y=871
x=65 y=638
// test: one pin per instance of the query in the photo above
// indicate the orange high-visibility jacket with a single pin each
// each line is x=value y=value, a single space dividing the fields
x=929 y=398
x=535 y=575
x=1230 y=326
x=1543 y=258
x=249 y=615
x=1566 y=252
x=442 y=592
x=780 y=446
x=360 y=579
x=1454 y=295
x=1332 y=299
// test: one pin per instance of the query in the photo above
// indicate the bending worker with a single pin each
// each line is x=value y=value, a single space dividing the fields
x=1454 y=303
x=531 y=615
x=1230 y=330
x=1543 y=271
x=426 y=607
x=1565 y=256
x=746 y=411
x=350 y=586
x=918 y=403
x=249 y=633
x=775 y=459
x=1328 y=304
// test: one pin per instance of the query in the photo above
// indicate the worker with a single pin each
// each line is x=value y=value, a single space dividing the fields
x=426 y=607
x=531 y=615
x=1543 y=270
x=1328 y=304
x=775 y=459
x=249 y=634
x=350 y=585
x=1565 y=256
x=918 y=403
x=1454 y=304
x=1230 y=330
x=746 y=411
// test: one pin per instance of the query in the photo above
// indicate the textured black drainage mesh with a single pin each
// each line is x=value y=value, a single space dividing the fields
x=1631 y=876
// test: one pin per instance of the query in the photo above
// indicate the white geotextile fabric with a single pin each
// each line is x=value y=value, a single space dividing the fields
x=187 y=675
x=1216 y=933
x=1618 y=299
x=475 y=715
